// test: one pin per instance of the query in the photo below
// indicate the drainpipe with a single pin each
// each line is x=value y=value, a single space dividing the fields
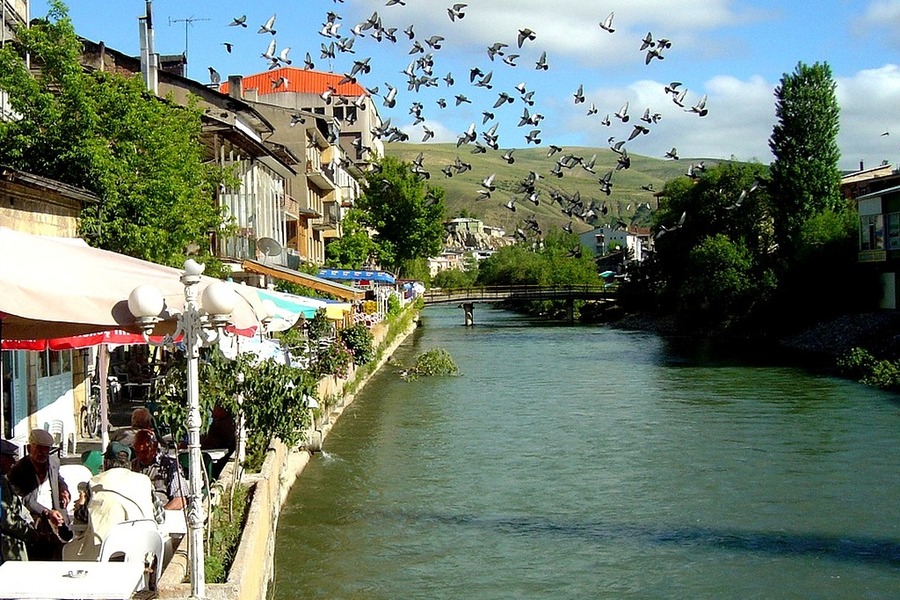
x=149 y=59
x=3 y=116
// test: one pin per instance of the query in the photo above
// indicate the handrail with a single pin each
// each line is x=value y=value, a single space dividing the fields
x=520 y=292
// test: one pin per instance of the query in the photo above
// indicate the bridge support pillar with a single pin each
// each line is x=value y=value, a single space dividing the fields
x=469 y=309
x=570 y=310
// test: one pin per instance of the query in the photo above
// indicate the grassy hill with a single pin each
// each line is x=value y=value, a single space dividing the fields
x=462 y=190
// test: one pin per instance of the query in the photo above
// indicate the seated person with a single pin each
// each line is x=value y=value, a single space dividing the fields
x=15 y=526
x=114 y=496
x=140 y=419
x=45 y=494
x=136 y=369
x=221 y=432
x=164 y=472
x=221 y=435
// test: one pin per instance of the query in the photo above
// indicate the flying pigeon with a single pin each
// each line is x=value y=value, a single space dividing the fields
x=525 y=34
x=268 y=26
x=607 y=23
x=456 y=11
x=579 y=94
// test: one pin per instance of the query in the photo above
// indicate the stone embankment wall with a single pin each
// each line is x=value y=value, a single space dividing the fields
x=254 y=563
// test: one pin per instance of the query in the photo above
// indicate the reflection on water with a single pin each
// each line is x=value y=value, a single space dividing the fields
x=584 y=462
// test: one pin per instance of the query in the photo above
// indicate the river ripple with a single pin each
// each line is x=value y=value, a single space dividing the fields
x=585 y=462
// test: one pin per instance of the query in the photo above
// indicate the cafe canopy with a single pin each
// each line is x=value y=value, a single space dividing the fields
x=357 y=275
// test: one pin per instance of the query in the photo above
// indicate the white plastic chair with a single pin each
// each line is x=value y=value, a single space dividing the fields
x=74 y=475
x=135 y=541
x=57 y=428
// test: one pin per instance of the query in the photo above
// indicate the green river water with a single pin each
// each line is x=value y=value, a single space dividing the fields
x=588 y=462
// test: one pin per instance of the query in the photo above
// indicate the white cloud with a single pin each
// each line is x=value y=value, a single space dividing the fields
x=565 y=28
x=442 y=134
x=868 y=101
x=881 y=18
x=740 y=119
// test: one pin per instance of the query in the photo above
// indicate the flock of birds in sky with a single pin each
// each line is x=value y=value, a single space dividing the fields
x=344 y=40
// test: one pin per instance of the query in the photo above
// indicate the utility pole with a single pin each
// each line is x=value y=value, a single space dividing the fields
x=189 y=21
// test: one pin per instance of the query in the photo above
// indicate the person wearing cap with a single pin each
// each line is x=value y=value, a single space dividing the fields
x=9 y=454
x=37 y=480
x=15 y=527
x=115 y=495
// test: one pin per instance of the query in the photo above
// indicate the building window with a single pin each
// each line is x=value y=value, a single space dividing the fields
x=871 y=232
x=893 y=242
x=347 y=114
x=55 y=363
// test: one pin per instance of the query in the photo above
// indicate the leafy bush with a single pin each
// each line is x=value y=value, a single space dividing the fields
x=856 y=363
x=452 y=279
x=436 y=361
x=226 y=523
x=860 y=365
x=320 y=327
x=359 y=341
x=393 y=305
x=272 y=399
x=885 y=375
x=333 y=359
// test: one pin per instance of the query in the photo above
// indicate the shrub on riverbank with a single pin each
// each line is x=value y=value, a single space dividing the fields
x=436 y=361
x=270 y=395
x=333 y=359
x=226 y=524
x=358 y=340
x=859 y=364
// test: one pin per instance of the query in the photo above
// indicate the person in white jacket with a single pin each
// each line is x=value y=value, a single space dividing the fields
x=115 y=495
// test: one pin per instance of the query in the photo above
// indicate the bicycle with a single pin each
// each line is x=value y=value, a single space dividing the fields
x=90 y=414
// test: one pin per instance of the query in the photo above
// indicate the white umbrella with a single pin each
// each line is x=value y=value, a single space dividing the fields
x=57 y=287
x=56 y=291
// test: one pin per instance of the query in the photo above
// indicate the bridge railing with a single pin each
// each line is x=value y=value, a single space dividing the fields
x=523 y=292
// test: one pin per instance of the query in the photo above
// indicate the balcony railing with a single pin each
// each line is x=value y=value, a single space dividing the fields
x=290 y=205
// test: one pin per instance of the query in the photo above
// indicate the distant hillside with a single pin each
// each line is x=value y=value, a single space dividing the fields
x=462 y=190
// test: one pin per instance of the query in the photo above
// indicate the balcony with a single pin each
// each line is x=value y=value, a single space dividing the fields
x=329 y=223
x=291 y=207
x=321 y=178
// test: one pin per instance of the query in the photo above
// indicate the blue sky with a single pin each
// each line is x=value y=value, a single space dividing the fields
x=734 y=52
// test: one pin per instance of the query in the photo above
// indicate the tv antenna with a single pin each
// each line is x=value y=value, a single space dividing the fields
x=189 y=21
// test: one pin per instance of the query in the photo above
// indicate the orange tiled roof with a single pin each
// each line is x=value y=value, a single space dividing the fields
x=298 y=80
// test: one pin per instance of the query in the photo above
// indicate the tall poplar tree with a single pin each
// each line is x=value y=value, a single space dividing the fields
x=805 y=179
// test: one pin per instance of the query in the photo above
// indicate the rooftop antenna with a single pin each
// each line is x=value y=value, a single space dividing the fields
x=187 y=21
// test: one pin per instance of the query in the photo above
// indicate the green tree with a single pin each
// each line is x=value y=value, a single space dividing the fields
x=103 y=132
x=452 y=279
x=355 y=248
x=726 y=284
x=405 y=213
x=805 y=175
x=721 y=216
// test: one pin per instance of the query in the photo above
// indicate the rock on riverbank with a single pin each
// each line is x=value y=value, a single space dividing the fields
x=878 y=332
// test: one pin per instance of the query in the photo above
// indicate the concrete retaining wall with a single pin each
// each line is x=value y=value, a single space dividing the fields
x=254 y=564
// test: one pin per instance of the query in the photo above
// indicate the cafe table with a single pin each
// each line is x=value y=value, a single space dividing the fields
x=175 y=523
x=70 y=580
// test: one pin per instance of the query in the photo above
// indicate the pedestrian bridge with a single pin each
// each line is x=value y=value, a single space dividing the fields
x=467 y=297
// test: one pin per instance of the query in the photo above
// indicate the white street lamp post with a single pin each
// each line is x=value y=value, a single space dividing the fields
x=199 y=327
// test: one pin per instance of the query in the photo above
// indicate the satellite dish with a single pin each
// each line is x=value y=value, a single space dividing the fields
x=268 y=246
